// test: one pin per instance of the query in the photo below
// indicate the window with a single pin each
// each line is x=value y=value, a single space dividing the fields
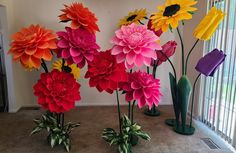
x=218 y=97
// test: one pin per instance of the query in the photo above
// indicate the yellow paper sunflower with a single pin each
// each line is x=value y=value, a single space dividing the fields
x=171 y=13
x=73 y=69
x=134 y=17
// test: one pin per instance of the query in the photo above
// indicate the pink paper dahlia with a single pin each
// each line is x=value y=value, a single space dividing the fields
x=143 y=88
x=135 y=45
x=77 y=46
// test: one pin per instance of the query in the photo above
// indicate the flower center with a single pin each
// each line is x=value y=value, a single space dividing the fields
x=171 y=10
x=132 y=17
x=135 y=38
x=67 y=69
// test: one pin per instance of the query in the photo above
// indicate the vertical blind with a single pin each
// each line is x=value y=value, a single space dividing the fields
x=218 y=96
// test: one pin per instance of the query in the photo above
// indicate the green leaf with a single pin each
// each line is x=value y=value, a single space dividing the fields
x=184 y=93
x=53 y=141
x=67 y=145
x=174 y=93
x=171 y=29
x=144 y=136
x=36 y=130
x=37 y=121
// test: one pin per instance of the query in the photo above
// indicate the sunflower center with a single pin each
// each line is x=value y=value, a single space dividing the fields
x=171 y=10
x=67 y=69
x=132 y=17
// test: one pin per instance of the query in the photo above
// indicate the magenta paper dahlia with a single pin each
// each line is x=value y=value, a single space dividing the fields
x=143 y=88
x=77 y=46
x=135 y=45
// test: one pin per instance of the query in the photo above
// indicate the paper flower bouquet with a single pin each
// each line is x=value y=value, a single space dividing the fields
x=117 y=70
x=57 y=89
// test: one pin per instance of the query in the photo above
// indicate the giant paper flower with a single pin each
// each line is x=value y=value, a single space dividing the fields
x=73 y=69
x=77 y=46
x=143 y=88
x=135 y=45
x=57 y=91
x=171 y=13
x=134 y=17
x=80 y=17
x=209 y=24
x=168 y=49
x=32 y=44
x=105 y=73
x=208 y=64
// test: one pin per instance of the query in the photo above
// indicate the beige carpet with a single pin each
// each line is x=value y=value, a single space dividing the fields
x=15 y=129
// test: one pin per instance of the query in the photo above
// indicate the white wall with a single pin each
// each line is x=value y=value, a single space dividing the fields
x=108 y=12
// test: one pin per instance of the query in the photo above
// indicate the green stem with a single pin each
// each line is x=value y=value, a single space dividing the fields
x=189 y=53
x=129 y=108
x=43 y=64
x=118 y=109
x=194 y=86
x=155 y=68
x=182 y=48
x=172 y=65
x=62 y=120
x=63 y=64
x=140 y=22
x=148 y=70
x=132 y=113
x=58 y=120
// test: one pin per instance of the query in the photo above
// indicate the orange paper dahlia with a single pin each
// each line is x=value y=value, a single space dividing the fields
x=32 y=44
x=79 y=16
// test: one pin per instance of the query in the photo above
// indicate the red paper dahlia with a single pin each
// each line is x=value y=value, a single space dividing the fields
x=57 y=91
x=143 y=88
x=105 y=73
x=77 y=46
x=79 y=16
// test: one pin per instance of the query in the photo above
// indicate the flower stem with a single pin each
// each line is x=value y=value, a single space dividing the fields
x=194 y=86
x=172 y=65
x=43 y=64
x=129 y=108
x=62 y=119
x=132 y=113
x=182 y=48
x=189 y=53
x=148 y=71
x=118 y=109
x=63 y=64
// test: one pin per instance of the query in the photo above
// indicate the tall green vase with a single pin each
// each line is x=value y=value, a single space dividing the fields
x=184 y=89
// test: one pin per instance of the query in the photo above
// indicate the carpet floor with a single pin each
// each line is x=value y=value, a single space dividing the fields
x=15 y=129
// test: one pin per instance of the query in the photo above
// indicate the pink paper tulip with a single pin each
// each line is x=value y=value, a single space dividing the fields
x=168 y=49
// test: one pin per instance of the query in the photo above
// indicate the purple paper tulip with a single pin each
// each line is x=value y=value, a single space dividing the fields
x=208 y=64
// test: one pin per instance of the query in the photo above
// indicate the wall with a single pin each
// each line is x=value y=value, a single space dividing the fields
x=45 y=12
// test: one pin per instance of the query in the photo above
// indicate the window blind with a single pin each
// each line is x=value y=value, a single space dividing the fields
x=218 y=95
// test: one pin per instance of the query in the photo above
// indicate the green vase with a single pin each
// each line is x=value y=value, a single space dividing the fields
x=154 y=111
x=184 y=89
